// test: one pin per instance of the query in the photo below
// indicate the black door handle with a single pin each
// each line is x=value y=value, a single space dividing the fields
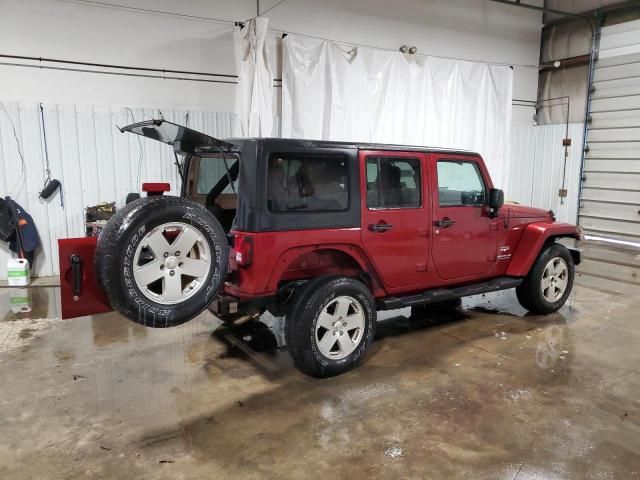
x=444 y=223
x=380 y=227
x=76 y=270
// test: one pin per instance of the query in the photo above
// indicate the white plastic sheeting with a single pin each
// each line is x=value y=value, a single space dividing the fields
x=254 y=97
x=371 y=95
x=93 y=160
x=537 y=166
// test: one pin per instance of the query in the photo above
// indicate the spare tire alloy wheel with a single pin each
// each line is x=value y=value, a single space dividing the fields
x=170 y=273
x=161 y=260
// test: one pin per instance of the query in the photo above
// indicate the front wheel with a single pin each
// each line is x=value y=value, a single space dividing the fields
x=330 y=326
x=550 y=280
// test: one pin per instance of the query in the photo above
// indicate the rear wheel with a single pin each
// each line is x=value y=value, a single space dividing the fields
x=161 y=260
x=330 y=326
x=550 y=280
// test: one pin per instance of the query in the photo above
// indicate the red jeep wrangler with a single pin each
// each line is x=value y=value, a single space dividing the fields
x=324 y=233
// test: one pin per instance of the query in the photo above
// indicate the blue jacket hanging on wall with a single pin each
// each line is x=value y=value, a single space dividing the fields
x=25 y=241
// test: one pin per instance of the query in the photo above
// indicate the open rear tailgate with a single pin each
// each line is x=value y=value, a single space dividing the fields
x=80 y=294
x=183 y=139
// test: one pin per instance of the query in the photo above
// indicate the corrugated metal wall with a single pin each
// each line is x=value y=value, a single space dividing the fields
x=537 y=166
x=93 y=160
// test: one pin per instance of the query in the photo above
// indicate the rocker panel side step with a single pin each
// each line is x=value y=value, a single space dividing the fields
x=443 y=294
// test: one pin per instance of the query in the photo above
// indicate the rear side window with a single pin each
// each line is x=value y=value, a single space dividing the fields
x=307 y=182
x=393 y=182
x=460 y=183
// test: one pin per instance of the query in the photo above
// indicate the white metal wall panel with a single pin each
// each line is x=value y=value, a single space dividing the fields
x=537 y=164
x=93 y=160
x=610 y=206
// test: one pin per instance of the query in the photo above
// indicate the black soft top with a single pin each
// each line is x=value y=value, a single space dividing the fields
x=328 y=144
x=187 y=141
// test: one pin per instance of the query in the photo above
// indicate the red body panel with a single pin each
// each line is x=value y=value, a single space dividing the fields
x=466 y=249
x=90 y=299
x=401 y=254
x=533 y=238
x=279 y=252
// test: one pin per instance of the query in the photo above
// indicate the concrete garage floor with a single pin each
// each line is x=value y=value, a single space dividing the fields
x=485 y=392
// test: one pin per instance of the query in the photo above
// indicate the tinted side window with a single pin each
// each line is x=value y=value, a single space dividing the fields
x=460 y=183
x=307 y=182
x=393 y=182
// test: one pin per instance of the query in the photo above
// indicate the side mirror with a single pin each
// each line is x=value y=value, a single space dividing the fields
x=496 y=200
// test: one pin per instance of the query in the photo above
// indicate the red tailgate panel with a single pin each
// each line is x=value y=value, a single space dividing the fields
x=80 y=294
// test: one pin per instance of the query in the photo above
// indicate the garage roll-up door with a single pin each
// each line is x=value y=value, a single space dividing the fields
x=610 y=200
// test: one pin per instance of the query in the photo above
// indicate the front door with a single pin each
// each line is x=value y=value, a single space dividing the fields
x=395 y=221
x=464 y=237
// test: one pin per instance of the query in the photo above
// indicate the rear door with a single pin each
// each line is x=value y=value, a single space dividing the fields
x=395 y=219
x=464 y=237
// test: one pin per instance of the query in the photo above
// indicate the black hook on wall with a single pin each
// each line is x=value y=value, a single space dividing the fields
x=50 y=185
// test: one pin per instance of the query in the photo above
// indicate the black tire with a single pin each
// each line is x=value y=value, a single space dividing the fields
x=301 y=321
x=530 y=292
x=123 y=235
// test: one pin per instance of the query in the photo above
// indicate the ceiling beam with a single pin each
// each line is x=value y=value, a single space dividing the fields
x=518 y=3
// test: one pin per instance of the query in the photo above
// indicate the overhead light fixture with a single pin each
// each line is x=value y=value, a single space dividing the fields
x=404 y=49
x=413 y=50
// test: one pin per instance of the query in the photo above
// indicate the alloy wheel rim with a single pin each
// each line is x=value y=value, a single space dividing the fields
x=339 y=327
x=555 y=278
x=171 y=263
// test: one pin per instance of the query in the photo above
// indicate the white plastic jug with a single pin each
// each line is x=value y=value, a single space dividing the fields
x=20 y=300
x=18 y=272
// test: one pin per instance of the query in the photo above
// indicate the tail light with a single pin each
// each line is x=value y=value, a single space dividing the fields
x=243 y=247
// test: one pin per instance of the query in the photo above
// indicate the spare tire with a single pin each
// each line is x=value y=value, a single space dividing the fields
x=161 y=260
